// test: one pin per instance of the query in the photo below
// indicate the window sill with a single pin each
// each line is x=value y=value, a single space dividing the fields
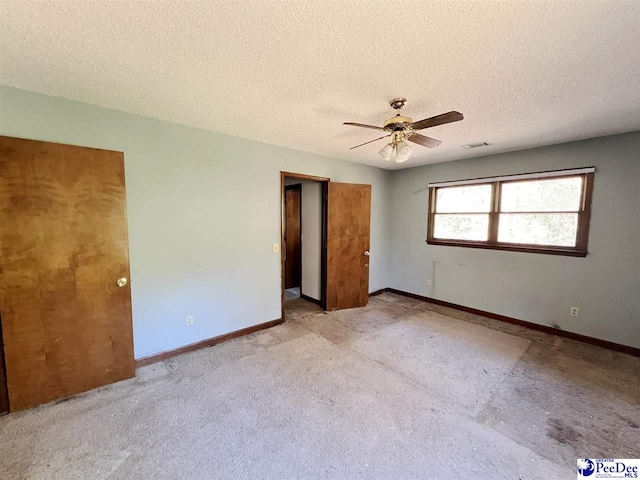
x=568 y=252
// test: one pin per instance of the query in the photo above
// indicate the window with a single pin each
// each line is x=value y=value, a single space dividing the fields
x=542 y=212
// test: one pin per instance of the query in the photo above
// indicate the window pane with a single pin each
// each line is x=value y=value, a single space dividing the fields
x=474 y=198
x=558 y=229
x=553 y=195
x=461 y=227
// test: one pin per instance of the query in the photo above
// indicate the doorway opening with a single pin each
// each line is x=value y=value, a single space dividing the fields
x=303 y=242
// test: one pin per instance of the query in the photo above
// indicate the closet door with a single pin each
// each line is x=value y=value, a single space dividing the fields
x=348 y=233
x=65 y=302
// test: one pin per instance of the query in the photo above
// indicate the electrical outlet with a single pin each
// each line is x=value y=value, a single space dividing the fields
x=428 y=282
x=574 y=311
x=189 y=320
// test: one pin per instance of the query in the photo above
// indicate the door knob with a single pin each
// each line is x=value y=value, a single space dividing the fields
x=366 y=254
x=121 y=282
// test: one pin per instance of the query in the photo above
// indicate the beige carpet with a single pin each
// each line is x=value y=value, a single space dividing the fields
x=399 y=389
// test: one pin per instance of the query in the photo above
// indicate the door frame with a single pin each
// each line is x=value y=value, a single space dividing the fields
x=4 y=392
x=324 y=181
x=298 y=187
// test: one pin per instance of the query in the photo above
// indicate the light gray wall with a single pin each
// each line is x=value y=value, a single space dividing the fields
x=312 y=239
x=537 y=288
x=203 y=213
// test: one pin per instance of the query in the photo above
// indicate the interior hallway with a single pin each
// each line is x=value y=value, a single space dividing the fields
x=397 y=389
x=291 y=293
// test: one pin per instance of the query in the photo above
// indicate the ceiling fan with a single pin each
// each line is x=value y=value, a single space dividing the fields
x=402 y=129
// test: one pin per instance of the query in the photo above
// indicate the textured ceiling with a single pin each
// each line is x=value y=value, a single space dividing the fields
x=524 y=73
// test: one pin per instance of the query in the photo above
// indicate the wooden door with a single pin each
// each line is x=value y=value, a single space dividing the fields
x=293 y=244
x=63 y=245
x=348 y=228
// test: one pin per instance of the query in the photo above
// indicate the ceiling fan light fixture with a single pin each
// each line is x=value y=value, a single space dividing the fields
x=386 y=152
x=404 y=148
x=404 y=151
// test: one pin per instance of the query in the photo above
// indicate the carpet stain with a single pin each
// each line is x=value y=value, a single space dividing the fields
x=562 y=432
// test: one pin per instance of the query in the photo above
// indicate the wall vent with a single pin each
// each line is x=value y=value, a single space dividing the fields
x=469 y=146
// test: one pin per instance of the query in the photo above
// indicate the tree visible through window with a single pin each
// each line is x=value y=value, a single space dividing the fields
x=463 y=213
x=545 y=214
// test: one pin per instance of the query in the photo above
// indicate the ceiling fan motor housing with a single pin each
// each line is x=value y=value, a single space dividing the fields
x=397 y=123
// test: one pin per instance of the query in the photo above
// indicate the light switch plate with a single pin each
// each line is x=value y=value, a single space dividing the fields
x=276 y=248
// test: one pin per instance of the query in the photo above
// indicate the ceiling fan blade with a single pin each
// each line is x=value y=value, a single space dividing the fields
x=373 y=127
x=448 y=117
x=424 y=140
x=370 y=141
